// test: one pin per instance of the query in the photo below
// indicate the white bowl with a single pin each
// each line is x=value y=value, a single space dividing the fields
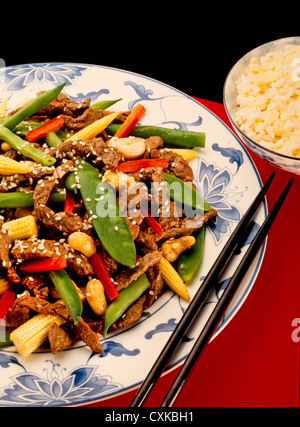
x=288 y=163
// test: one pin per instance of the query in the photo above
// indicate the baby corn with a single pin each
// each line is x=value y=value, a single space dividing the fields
x=172 y=279
x=22 y=228
x=28 y=337
x=92 y=130
x=11 y=167
x=186 y=154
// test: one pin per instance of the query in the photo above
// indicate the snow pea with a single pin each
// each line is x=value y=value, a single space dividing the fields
x=183 y=193
x=67 y=292
x=171 y=137
x=125 y=299
x=102 y=206
x=32 y=107
x=189 y=261
x=102 y=105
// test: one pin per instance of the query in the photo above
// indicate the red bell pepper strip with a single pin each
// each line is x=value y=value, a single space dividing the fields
x=104 y=276
x=6 y=301
x=136 y=165
x=157 y=228
x=47 y=264
x=132 y=120
x=43 y=130
x=69 y=203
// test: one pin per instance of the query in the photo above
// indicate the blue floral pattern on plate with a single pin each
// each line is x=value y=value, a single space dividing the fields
x=224 y=174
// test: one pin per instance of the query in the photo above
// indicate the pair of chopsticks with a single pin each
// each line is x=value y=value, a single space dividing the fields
x=208 y=284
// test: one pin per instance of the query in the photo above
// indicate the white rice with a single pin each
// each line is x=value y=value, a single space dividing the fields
x=269 y=100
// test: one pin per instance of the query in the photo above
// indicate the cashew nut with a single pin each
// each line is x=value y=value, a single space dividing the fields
x=118 y=179
x=83 y=243
x=95 y=296
x=130 y=147
x=171 y=249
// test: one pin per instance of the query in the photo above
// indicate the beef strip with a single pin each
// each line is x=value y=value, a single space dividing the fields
x=128 y=275
x=36 y=285
x=66 y=223
x=82 y=329
x=156 y=285
x=60 y=337
x=88 y=117
x=17 y=314
x=30 y=249
x=5 y=261
x=12 y=181
x=132 y=315
x=93 y=149
x=176 y=164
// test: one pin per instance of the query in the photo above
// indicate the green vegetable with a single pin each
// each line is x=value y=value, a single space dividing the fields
x=102 y=105
x=5 y=336
x=171 y=137
x=183 y=193
x=32 y=107
x=125 y=299
x=67 y=292
x=52 y=139
x=189 y=261
x=70 y=182
x=24 y=200
x=102 y=206
x=25 y=148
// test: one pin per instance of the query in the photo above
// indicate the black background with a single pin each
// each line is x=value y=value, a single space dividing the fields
x=188 y=47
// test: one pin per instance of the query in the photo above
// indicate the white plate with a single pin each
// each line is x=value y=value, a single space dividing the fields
x=229 y=181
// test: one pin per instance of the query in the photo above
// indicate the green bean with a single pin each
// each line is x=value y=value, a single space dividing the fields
x=171 y=137
x=102 y=105
x=125 y=299
x=102 y=206
x=25 y=200
x=25 y=148
x=183 y=193
x=67 y=292
x=189 y=261
x=52 y=139
x=32 y=107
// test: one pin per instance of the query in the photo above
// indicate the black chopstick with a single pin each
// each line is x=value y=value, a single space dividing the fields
x=224 y=301
x=195 y=305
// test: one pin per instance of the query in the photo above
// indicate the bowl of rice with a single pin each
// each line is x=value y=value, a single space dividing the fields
x=262 y=101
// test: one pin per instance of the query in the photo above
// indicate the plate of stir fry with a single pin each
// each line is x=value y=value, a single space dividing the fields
x=117 y=193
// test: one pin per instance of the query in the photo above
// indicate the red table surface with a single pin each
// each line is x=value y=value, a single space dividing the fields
x=253 y=362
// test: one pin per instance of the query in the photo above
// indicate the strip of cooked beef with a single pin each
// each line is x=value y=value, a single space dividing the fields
x=94 y=149
x=82 y=329
x=156 y=285
x=5 y=261
x=128 y=275
x=186 y=227
x=66 y=223
x=176 y=164
x=132 y=315
x=31 y=249
x=17 y=314
x=12 y=181
x=152 y=143
x=36 y=285
x=60 y=337
x=88 y=117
